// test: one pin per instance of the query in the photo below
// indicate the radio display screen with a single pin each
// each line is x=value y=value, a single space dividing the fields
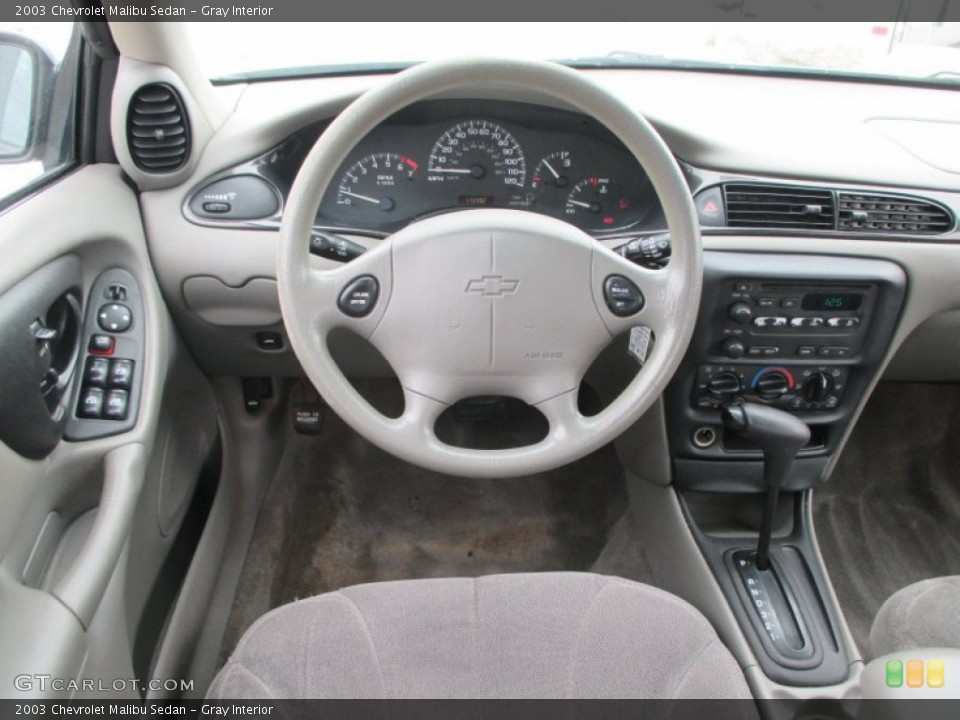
x=832 y=302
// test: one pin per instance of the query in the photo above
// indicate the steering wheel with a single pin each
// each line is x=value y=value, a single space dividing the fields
x=488 y=301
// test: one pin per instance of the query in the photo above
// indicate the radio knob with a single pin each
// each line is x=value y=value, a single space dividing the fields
x=724 y=386
x=734 y=348
x=772 y=386
x=741 y=312
x=817 y=388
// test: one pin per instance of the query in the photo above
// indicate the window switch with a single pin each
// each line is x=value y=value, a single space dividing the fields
x=121 y=374
x=91 y=403
x=115 y=406
x=96 y=372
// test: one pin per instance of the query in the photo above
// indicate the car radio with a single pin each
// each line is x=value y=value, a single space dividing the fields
x=770 y=320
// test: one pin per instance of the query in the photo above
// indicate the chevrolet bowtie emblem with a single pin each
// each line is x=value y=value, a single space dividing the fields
x=492 y=286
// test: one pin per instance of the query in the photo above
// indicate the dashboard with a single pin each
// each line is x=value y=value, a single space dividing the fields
x=440 y=156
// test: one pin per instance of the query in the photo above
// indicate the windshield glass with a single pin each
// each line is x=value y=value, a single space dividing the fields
x=920 y=50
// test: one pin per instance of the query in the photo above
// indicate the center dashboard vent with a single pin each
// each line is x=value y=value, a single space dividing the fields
x=158 y=129
x=755 y=205
x=890 y=213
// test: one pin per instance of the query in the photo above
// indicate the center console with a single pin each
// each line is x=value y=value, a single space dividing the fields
x=802 y=335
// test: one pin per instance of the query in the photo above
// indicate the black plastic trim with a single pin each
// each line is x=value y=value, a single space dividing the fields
x=180 y=109
x=797 y=561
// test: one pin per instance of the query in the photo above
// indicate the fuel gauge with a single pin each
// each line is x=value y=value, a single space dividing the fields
x=552 y=172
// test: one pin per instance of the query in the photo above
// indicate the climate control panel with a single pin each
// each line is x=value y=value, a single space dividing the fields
x=798 y=388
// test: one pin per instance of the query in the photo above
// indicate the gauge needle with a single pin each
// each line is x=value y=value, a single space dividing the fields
x=366 y=198
x=550 y=168
x=578 y=203
x=458 y=171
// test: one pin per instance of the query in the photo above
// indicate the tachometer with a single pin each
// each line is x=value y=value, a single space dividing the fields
x=374 y=181
x=477 y=150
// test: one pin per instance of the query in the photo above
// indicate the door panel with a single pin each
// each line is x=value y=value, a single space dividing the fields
x=67 y=506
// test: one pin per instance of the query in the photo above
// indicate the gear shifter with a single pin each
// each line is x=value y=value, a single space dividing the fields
x=780 y=435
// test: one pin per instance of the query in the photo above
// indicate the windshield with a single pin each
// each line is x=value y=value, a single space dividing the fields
x=928 y=51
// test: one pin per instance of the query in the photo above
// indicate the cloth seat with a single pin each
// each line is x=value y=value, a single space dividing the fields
x=923 y=615
x=545 y=635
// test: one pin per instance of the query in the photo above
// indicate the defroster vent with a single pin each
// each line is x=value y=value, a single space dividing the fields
x=756 y=205
x=158 y=129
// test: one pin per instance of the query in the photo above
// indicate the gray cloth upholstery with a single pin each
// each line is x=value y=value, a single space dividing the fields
x=550 y=635
x=923 y=615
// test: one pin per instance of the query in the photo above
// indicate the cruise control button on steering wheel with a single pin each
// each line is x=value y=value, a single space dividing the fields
x=622 y=295
x=359 y=296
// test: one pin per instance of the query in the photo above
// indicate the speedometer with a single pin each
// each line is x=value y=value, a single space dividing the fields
x=477 y=150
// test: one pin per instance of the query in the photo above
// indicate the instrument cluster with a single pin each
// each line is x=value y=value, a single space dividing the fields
x=442 y=156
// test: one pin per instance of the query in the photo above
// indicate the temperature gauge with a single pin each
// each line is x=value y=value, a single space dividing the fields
x=598 y=203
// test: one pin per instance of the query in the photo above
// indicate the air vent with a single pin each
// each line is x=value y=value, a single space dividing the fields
x=889 y=213
x=755 y=205
x=158 y=130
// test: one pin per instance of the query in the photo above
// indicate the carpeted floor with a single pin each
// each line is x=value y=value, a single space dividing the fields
x=341 y=512
x=890 y=514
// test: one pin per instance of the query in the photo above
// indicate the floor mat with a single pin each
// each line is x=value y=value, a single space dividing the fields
x=890 y=514
x=342 y=512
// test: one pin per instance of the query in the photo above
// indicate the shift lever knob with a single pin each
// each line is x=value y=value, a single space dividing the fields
x=778 y=433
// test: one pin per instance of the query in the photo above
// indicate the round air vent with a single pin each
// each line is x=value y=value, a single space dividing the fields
x=158 y=129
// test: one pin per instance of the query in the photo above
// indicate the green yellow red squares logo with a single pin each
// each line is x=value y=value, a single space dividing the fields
x=912 y=673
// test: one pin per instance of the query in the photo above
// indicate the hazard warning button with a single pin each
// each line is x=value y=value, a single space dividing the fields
x=710 y=208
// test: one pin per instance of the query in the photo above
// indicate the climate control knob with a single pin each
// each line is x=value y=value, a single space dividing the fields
x=740 y=312
x=817 y=387
x=724 y=386
x=772 y=385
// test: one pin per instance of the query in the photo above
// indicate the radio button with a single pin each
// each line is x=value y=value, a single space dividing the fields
x=806 y=351
x=843 y=322
x=770 y=322
x=733 y=348
x=740 y=312
x=807 y=322
x=834 y=351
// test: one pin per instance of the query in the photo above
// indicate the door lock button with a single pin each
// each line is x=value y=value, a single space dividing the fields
x=359 y=296
x=622 y=296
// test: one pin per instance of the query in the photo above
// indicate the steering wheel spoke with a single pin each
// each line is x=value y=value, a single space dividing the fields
x=628 y=295
x=353 y=296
